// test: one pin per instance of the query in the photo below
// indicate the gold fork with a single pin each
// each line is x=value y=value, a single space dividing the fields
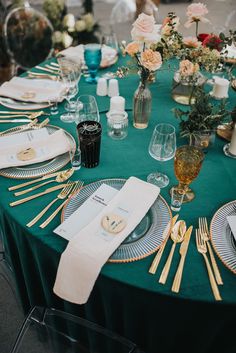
x=78 y=185
x=202 y=249
x=61 y=196
x=203 y=228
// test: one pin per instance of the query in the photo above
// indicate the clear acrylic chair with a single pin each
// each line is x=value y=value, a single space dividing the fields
x=28 y=36
x=47 y=330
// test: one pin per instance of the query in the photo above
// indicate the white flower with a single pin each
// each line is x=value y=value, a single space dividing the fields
x=66 y=40
x=69 y=22
x=80 y=25
x=57 y=37
x=89 y=20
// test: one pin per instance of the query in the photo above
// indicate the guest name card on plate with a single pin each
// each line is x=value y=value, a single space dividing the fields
x=86 y=212
x=232 y=224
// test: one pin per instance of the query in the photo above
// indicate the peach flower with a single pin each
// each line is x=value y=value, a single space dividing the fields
x=145 y=29
x=195 y=13
x=151 y=60
x=191 y=42
x=132 y=48
x=187 y=68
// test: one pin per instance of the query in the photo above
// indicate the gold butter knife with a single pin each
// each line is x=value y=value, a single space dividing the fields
x=166 y=235
x=183 y=251
x=45 y=177
x=47 y=191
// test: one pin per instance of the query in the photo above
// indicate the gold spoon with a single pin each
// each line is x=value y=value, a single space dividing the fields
x=63 y=176
x=177 y=235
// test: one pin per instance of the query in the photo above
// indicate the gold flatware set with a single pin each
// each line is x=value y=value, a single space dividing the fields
x=20 y=128
x=177 y=231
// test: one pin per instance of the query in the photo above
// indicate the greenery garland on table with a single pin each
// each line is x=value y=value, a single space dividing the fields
x=69 y=30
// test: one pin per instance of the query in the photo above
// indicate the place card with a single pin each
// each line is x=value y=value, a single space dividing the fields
x=232 y=223
x=86 y=212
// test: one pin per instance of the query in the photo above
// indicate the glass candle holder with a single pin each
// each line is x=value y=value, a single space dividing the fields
x=117 y=125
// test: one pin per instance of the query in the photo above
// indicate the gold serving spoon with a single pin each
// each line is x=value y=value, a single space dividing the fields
x=63 y=176
x=177 y=235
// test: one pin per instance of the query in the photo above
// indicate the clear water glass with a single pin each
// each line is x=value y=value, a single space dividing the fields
x=162 y=148
x=75 y=158
x=93 y=57
x=176 y=199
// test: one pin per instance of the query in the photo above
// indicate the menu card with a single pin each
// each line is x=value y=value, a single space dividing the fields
x=86 y=212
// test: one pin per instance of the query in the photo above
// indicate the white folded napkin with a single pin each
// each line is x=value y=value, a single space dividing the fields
x=33 y=90
x=232 y=223
x=31 y=147
x=89 y=250
x=108 y=54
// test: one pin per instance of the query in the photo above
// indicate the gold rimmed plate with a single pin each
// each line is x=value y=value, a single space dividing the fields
x=222 y=237
x=39 y=169
x=146 y=237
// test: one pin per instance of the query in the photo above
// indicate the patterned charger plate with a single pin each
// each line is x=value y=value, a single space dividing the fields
x=39 y=169
x=222 y=237
x=147 y=236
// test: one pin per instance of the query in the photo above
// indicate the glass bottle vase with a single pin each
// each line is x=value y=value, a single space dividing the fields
x=142 y=104
x=183 y=91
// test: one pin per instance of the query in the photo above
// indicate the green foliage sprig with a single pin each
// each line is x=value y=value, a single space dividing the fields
x=203 y=116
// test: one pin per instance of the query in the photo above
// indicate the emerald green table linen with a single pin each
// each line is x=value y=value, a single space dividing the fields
x=126 y=298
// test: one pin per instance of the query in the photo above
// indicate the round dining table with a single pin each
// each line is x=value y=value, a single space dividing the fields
x=126 y=298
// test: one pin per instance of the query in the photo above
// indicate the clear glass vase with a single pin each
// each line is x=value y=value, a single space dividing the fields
x=184 y=91
x=142 y=104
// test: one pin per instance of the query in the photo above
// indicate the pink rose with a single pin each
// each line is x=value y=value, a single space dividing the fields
x=191 y=42
x=196 y=10
x=132 y=48
x=151 y=60
x=187 y=68
x=195 y=13
x=145 y=30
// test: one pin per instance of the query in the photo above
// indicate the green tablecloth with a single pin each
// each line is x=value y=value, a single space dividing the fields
x=126 y=298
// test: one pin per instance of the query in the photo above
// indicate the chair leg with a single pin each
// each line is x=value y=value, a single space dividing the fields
x=22 y=331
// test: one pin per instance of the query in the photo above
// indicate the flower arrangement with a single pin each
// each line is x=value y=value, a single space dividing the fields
x=145 y=60
x=70 y=30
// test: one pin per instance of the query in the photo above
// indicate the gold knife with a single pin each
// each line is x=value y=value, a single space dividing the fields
x=47 y=191
x=183 y=251
x=48 y=176
x=166 y=235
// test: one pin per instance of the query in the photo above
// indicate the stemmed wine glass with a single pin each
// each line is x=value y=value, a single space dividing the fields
x=187 y=164
x=92 y=57
x=87 y=109
x=71 y=90
x=162 y=147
